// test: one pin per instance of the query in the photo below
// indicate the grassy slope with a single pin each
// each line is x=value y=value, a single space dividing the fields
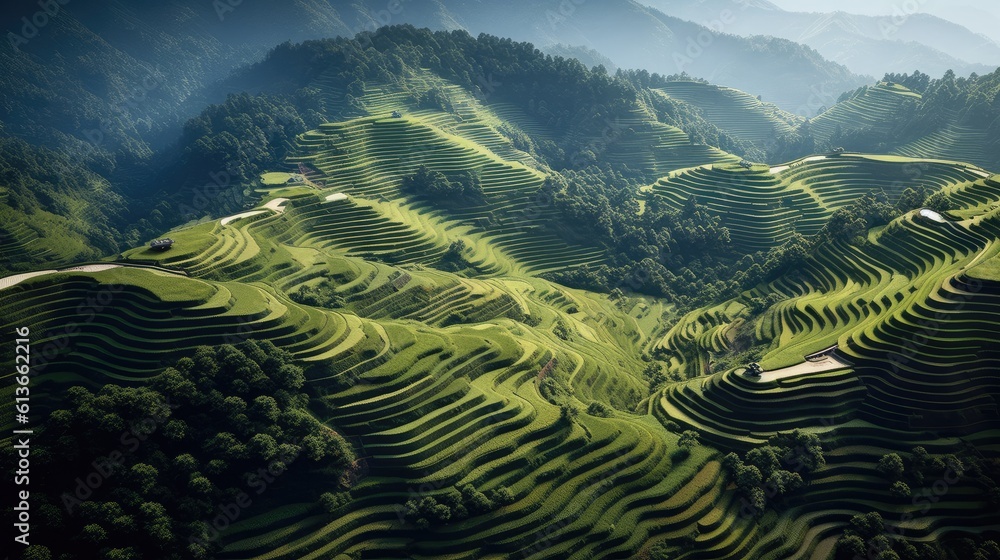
x=437 y=373
x=736 y=112
x=763 y=208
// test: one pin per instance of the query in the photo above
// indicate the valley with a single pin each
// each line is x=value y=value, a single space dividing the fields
x=516 y=323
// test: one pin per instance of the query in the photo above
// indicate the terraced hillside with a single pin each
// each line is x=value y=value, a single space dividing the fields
x=654 y=148
x=493 y=413
x=912 y=316
x=445 y=381
x=763 y=206
x=368 y=157
x=456 y=398
x=736 y=112
x=873 y=106
x=956 y=142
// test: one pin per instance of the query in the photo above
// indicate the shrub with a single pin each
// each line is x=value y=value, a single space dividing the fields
x=502 y=496
x=332 y=501
x=891 y=466
x=688 y=439
x=900 y=489
x=680 y=454
x=600 y=409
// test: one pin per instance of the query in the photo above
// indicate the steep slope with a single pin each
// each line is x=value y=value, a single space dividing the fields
x=392 y=217
x=914 y=115
x=763 y=207
x=733 y=111
x=909 y=317
x=146 y=65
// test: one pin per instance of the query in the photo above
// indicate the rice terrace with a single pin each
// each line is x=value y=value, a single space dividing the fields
x=461 y=280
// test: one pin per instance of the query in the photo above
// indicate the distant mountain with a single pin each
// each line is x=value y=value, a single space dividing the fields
x=121 y=75
x=865 y=44
x=794 y=77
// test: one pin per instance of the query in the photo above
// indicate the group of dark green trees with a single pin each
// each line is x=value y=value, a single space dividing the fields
x=159 y=470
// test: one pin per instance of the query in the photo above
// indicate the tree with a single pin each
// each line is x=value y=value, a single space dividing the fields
x=749 y=477
x=688 y=439
x=198 y=484
x=568 y=412
x=561 y=330
x=680 y=454
x=263 y=447
x=145 y=476
x=845 y=226
x=94 y=533
x=867 y=525
x=475 y=501
x=156 y=522
x=599 y=409
x=732 y=464
x=767 y=459
x=330 y=502
x=502 y=496
x=900 y=489
x=289 y=377
x=891 y=466
x=265 y=408
x=783 y=482
x=800 y=450
x=852 y=546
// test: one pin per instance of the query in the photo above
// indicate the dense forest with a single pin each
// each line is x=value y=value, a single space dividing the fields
x=182 y=458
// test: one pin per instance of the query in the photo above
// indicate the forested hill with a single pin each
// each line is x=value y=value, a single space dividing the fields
x=634 y=35
x=307 y=84
x=121 y=76
x=916 y=115
x=578 y=115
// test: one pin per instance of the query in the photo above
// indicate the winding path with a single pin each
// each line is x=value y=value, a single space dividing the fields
x=18 y=278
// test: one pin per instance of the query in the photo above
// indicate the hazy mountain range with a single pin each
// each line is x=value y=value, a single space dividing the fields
x=872 y=45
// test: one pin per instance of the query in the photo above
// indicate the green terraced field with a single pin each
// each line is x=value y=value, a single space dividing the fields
x=369 y=157
x=489 y=375
x=956 y=142
x=915 y=320
x=736 y=112
x=763 y=206
x=872 y=107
